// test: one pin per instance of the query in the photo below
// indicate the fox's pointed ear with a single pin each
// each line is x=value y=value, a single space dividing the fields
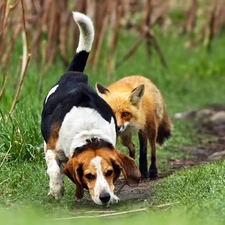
x=136 y=94
x=101 y=90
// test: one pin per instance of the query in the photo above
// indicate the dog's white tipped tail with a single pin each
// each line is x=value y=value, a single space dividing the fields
x=86 y=38
x=86 y=29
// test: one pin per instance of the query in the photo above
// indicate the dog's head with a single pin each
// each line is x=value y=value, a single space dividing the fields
x=96 y=166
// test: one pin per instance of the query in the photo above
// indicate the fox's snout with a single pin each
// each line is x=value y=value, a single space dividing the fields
x=121 y=129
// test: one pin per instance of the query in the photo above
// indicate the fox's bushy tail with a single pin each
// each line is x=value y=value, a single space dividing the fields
x=86 y=38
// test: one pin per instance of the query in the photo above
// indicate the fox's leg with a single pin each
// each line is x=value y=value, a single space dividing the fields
x=153 y=172
x=126 y=140
x=143 y=162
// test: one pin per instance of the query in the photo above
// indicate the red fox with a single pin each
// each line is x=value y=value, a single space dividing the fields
x=139 y=107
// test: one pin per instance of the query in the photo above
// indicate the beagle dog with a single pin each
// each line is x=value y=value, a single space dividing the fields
x=80 y=131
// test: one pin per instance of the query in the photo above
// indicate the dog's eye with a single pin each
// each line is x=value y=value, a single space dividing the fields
x=125 y=114
x=108 y=173
x=90 y=176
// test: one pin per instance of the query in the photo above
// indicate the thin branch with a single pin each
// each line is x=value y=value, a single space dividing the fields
x=131 y=51
x=102 y=215
x=26 y=59
x=4 y=85
x=4 y=181
x=166 y=204
x=210 y=29
x=102 y=31
x=158 y=50
x=113 y=42
x=6 y=155
x=147 y=28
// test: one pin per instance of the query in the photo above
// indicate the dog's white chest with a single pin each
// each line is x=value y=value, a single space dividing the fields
x=84 y=123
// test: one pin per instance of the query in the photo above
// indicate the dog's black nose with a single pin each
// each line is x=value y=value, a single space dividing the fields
x=104 y=197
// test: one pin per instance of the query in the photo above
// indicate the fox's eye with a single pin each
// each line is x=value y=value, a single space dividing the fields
x=125 y=114
x=90 y=176
x=108 y=173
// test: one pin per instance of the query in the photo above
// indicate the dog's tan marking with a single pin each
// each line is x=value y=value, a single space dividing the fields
x=54 y=131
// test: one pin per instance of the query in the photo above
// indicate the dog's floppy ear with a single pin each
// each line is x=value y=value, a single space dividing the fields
x=72 y=171
x=128 y=167
x=101 y=90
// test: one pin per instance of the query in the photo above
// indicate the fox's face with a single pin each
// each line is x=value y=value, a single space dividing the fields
x=125 y=105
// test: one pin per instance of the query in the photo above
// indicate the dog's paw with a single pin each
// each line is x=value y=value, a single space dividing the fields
x=56 y=194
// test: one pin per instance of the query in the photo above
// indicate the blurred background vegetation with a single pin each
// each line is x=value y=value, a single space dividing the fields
x=44 y=31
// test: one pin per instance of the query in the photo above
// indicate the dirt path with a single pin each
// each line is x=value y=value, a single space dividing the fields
x=209 y=121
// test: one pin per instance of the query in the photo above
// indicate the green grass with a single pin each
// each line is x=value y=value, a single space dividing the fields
x=191 y=196
x=200 y=191
x=202 y=183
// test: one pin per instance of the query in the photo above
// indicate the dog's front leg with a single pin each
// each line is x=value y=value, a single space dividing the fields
x=56 y=175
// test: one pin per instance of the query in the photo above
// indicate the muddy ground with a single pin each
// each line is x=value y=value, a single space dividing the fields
x=209 y=121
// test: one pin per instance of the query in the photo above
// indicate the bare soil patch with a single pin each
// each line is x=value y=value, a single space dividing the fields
x=210 y=121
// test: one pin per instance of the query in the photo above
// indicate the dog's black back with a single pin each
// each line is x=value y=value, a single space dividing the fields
x=73 y=90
